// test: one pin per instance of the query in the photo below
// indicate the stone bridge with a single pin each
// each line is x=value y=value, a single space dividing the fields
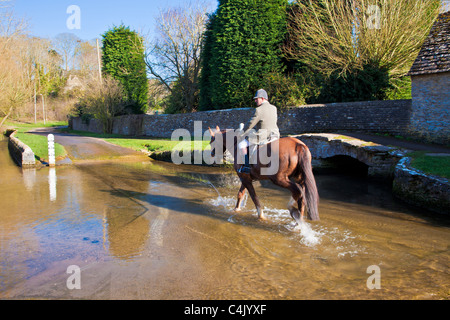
x=380 y=160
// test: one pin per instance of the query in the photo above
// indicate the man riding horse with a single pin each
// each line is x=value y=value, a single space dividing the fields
x=266 y=116
x=289 y=164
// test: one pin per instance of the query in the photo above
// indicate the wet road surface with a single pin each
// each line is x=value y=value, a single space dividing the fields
x=81 y=148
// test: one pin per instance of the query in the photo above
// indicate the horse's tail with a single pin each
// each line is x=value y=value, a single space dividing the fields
x=311 y=195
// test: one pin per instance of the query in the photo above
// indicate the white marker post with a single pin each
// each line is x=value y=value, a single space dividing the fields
x=51 y=150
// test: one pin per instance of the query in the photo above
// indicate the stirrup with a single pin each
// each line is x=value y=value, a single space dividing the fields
x=244 y=169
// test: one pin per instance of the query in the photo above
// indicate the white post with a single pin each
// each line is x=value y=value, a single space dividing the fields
x=52 y=183
x=51 y=150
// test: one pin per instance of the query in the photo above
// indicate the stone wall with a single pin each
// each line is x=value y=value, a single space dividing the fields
x=90 y=125
x=430 y=113
x=21 y=153
x=368 y=116
x=390 y=116
x=420 y=189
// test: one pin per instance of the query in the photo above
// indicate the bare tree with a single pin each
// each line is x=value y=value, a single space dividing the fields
x=174 y=56
x=10 y=25
x=14 y=86
x=86 y=57
x=66 y=44
x=104 y=100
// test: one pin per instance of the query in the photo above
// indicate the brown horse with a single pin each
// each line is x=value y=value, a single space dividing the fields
x=294 y=163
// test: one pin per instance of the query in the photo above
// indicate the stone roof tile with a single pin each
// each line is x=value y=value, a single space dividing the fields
x=434 y=56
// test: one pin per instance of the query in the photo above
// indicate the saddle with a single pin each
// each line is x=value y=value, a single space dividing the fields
x=252 y=149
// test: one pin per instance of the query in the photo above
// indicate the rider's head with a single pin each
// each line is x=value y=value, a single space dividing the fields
x=260 y=97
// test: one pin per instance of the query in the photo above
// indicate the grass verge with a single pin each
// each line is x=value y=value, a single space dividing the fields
x=151 y=145
x=37 y=143
x=435 y=165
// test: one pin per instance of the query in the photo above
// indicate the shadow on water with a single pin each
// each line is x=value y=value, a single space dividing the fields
x=348 y=185
x=146 y=230
x=190 y=206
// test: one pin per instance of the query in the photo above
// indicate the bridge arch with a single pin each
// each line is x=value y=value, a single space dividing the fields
x=342 y=164
x=380 y=160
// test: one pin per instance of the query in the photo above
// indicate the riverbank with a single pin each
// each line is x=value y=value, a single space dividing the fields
x=154 y=230
x=36 y=143
x=413 y=185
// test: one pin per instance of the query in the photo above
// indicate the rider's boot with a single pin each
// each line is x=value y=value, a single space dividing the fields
x=245 y=168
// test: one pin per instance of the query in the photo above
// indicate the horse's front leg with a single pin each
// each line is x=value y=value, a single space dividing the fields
x=240 y=197
x=252 y=193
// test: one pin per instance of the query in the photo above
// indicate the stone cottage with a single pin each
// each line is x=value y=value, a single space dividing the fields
x=430 y=76
x=72 y=83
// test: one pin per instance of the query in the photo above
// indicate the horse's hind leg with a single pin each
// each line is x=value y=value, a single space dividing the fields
x=297 y=209
x=240 y=197
x=293 y=210
x=296 y=201
x=301 y=203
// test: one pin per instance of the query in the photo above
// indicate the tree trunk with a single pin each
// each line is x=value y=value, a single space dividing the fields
x=6 y=117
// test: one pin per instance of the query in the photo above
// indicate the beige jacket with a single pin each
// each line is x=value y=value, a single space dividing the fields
x=266 y=116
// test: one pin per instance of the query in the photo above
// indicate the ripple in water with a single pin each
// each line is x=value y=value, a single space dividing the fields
x=339 y=241
x=309 y=237
x=226 y=202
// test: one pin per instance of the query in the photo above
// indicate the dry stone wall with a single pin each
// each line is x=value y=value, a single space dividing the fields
x=21 y=153
x=369 y=116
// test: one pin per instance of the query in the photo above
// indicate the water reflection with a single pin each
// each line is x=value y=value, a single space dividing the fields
x=127 y=231
x=29 y=178
x=144 y=231
x=52 y=183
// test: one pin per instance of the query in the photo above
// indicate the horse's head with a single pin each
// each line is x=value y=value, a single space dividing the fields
x=215 y=135
x=224 y=140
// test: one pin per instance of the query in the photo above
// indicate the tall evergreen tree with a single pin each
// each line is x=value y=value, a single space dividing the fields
x=123 y=59
x=241 y=47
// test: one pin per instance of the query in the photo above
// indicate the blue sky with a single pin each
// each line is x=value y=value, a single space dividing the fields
x=47 y=18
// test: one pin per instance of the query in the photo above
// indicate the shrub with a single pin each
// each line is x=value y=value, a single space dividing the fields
x=283 y=91
x=103 y=101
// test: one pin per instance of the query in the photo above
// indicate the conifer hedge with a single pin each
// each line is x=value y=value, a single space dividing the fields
x=242 y=46
x=123 y=59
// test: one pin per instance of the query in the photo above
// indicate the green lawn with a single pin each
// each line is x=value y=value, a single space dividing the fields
x=38 y=144
x=151 y=145
x=435 y=165
x=24 y=127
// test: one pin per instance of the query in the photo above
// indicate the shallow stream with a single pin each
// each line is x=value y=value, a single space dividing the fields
x=140 y=229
